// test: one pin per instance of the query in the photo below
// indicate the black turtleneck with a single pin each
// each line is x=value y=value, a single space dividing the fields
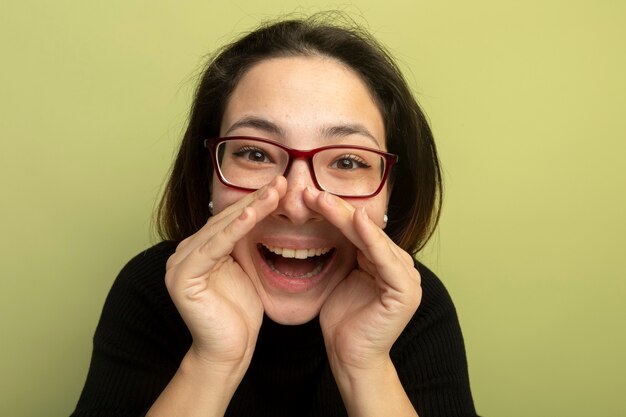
x=141 y=339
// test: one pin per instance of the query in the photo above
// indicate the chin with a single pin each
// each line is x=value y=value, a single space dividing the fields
x=291 y=316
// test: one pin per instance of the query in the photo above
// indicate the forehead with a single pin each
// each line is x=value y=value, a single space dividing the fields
x=303 y=97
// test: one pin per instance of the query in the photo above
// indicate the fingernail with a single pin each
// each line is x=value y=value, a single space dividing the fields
x=244 y=214
x=330 y=199
x=364 y=213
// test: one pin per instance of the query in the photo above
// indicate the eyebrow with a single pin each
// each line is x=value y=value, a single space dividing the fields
x=326 y=132
x=347 y=130
x=257 y=123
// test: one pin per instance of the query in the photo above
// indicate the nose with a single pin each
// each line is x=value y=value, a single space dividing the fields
x=292 y=207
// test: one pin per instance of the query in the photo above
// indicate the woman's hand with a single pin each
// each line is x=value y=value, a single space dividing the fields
x=212 y=293
x=368 y=310
x=219 y=305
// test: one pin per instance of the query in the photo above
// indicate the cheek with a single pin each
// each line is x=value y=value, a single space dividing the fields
x=242 y=253
x=223 y=196
x=382 y=204
x=376 y=207
x=377 y=214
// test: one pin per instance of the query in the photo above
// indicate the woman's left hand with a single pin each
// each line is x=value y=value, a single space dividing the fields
x=368 y=310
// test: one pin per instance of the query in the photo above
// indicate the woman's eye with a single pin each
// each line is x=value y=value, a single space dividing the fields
x=252 y=154
x=349 y=162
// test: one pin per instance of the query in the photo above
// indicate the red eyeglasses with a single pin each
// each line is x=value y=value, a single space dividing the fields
x=248 y=163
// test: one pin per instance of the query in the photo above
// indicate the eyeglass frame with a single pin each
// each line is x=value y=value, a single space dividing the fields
x=212 y=143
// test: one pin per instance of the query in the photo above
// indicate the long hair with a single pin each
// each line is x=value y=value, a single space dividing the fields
x=415 y=202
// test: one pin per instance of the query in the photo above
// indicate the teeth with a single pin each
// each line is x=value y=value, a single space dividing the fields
x=297 y=253
x=314 y=272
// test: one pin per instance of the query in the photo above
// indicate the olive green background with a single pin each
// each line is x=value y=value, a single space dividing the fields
x=526 y=100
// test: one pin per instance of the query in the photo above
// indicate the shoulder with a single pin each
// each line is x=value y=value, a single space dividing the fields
x=430 y=355
x=150 y=261
x=142 y=278
x=145 y=272
x=138 y=305
x=435 y=314
x=139 y=340
x=436 y=300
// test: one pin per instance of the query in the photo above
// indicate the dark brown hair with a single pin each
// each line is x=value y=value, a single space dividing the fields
x=415 y=202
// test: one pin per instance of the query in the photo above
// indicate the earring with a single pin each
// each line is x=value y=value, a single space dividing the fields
x=385 y=218
x=211 y=206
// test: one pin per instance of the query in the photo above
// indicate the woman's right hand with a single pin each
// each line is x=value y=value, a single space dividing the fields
x=212 y=293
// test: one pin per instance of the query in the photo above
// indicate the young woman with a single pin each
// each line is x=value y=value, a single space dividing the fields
x=285 y=285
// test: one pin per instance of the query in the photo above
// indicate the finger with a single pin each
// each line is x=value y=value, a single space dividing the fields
x=365 y=264
x=279 y=184
x=344 y=216
x=263 y=201
x=219 y=222
x=203 y=259
x=336 y=210
x=392 y=264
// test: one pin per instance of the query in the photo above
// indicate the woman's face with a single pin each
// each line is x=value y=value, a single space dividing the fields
x=303 y=103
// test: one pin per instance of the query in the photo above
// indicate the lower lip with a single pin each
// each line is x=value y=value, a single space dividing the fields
x=292 y=285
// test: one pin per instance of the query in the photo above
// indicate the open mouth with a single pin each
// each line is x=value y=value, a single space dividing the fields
x=296 y=263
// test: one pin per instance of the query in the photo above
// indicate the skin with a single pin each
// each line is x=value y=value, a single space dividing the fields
x=365 y=297
x=291 y=97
